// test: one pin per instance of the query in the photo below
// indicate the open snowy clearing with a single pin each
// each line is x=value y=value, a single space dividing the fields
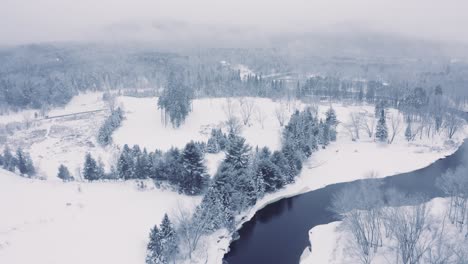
x=143 y=123
x=50 y=222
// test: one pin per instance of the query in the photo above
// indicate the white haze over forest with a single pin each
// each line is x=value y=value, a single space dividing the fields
x=26 y=21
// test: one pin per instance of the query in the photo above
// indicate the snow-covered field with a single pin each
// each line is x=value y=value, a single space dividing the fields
x=108 y=222
x=50 y=222
x=143 y=124
x=330 y=243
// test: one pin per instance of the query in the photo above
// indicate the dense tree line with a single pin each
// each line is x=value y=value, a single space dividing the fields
x=113 y=122
x=19 y=162
x=182 y=169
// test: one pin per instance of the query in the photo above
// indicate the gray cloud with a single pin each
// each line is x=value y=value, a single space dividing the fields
x=24 y=21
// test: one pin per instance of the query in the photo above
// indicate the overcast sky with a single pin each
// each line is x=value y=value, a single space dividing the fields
x=25 y=21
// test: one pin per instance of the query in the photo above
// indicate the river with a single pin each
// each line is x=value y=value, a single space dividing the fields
x=278 y=233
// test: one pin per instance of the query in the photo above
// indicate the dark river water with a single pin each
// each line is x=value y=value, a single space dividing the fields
x=279 y=232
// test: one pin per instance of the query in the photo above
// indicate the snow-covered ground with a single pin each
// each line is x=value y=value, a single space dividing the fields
x=64 y=140
x=143 y=123
x=116 y=216
x=49 y=222
x=330 y=243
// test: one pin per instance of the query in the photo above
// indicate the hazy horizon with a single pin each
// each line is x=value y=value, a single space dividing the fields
x=29 y=21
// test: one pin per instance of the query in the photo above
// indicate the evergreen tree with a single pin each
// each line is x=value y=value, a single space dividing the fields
x=168 y=239
x=408 y=132
x=125 y=164
x=1 y=160
x=90 y=171
x=212 y=145
x=324 y=133
x=238 y=152
x=142 y=165
x=195 y=176
x=280 y=160
x=64 y=174
x=215 y=208
x=382 y=131
x=24 y=163
x=9 y=161
x=173 y=170
x=176 y=99
x=271 y=175
x=154 y=247
x=331 y=122
x=330 y=117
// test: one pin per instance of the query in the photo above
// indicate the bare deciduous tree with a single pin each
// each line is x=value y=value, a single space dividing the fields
x=247 y=106
x=361 y=206
x=281 y=113
x=452 y=124
x=454 y=183
x=354 y=125
x=260 y=117
x=395 y=126
x=368 y=124
x=190 y=231
x=408 y=225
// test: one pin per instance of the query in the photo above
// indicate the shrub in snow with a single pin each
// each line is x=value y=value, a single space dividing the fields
x=64 y=174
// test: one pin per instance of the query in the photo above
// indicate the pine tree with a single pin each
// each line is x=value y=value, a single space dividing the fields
x=168 y=239
x=382 y=131
x=324 y=134
x=154 y=248
x=280 y=160
x=176 y=99
x=409 y=133
x=214 y=210
x=195 y=176
x=238 y=152
x=24 y=163
x=172 y=169
x=270 y=174
x=212 y=145
x=9 y=161
x=64 y=174
x=125 y=164
x=331 y=117
x=90 y=170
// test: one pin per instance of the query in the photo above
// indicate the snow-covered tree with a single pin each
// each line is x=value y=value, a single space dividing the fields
x=154 y=248
x=212 y=145
x=24 y=163
x=409 y=132
x=238 y=152
x=168 y=239
x=381 y=131
x=9 y=161
x=176 y=99
x=195 y=176
x=125 y=167
x=64 y=173
x=92 y=170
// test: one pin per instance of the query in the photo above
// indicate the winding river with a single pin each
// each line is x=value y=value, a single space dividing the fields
x=278 y=233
